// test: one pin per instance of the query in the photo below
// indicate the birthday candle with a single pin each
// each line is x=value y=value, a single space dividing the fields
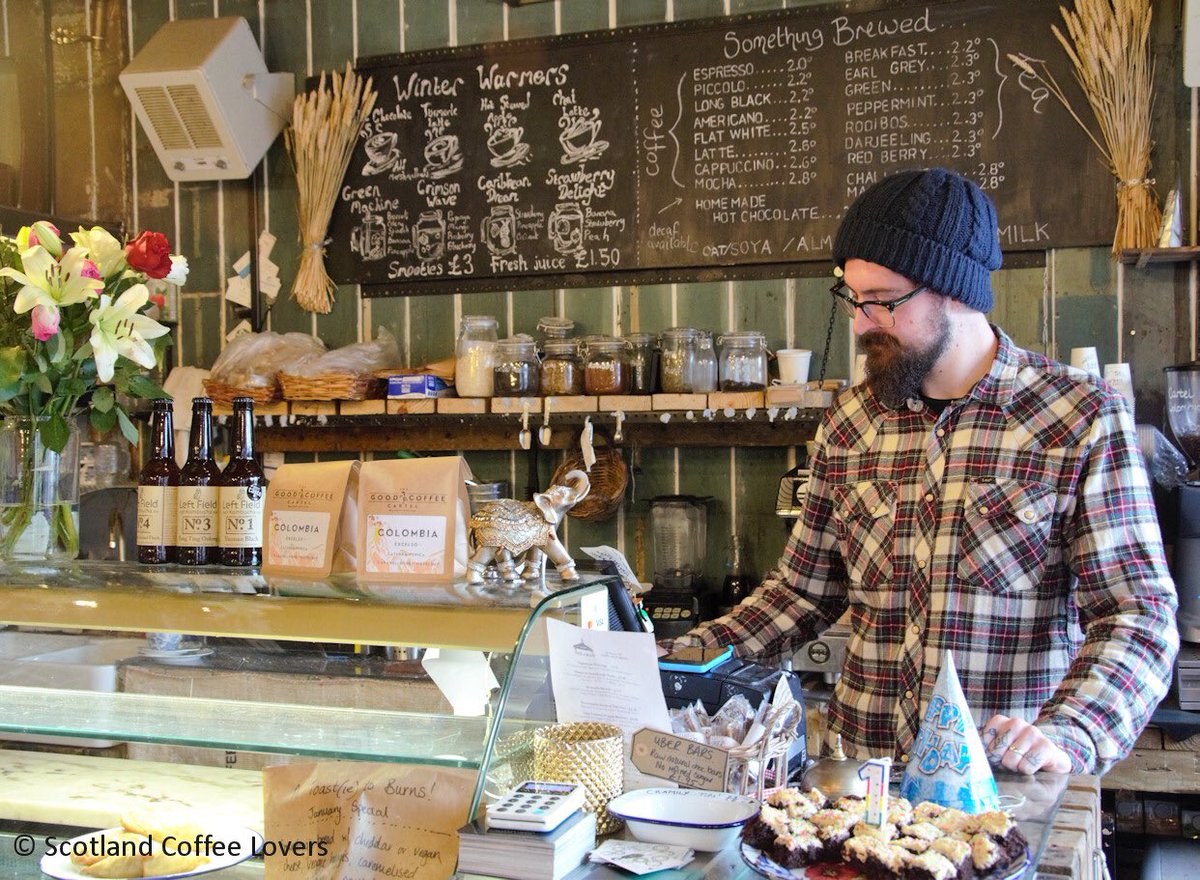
x=876 y=772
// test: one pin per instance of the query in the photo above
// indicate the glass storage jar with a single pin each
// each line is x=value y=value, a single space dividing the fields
x=706 y=363
x=562 y=369
x=743 y=365
x=677 y=360
x=552 y=327
x=475 y=356
x=517 y=372
x=643 y=362
x=606 y=366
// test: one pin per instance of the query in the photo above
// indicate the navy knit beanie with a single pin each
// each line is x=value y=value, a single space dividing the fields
x=935 y=227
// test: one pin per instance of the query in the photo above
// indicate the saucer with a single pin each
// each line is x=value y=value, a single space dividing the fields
x=177 y=658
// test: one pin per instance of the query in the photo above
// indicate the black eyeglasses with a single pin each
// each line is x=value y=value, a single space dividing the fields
x=878 y=311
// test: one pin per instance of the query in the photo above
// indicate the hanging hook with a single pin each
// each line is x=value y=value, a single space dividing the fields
x=618 y=433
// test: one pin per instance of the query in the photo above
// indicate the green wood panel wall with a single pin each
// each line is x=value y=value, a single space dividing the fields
x=1074 y=301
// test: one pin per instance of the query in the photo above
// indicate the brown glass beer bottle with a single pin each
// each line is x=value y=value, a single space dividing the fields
x=197 y=531
x=158 y=490
x=242 y=491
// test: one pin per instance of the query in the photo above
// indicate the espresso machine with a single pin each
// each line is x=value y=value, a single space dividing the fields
x=679 y=534
x=1183 y=413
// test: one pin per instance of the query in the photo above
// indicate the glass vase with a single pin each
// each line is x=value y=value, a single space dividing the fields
x=39 y=493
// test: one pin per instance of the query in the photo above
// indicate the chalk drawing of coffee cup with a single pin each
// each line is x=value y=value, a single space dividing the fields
x=382 y=152
x=565 y=228
x=579 y=139
x=429 y=236
x=370 y=239
x=506 y=147
x=442 y=156
x=499 y=230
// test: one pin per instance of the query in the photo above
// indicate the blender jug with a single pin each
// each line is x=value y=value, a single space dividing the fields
x=678 y=524
x=1183 y=412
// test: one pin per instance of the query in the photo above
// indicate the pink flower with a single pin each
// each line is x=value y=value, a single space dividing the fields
x=45 y=322
x=150 y=253
x=88 y=269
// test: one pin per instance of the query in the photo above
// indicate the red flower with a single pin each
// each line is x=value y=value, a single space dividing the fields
x=150 y=253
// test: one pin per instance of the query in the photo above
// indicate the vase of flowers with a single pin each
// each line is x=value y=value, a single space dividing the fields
x=73 y=337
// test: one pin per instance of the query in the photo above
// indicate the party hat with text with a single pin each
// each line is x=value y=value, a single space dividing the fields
x=948 y=765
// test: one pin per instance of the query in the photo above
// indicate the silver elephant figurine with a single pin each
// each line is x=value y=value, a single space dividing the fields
x=519 y=535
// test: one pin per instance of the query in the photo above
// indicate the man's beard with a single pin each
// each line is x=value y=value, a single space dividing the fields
x=895 y=373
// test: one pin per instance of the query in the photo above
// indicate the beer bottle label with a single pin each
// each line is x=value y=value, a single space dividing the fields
x=156 y=526
x=197 y=516
x=241 y=516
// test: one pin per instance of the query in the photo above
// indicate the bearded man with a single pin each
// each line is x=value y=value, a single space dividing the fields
x=969 y=497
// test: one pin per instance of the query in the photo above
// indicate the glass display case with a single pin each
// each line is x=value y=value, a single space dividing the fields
x=255 y=626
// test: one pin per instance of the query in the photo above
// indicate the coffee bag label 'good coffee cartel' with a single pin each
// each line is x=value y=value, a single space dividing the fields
x=412 y=519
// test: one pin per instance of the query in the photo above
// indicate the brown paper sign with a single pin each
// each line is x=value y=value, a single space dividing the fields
x=691 y=764
x=375 y=820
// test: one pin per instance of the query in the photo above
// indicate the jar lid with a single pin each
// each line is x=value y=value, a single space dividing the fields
x=680 y=333
x=561 y=346
x=516 y=345
x=639 y=339
x=605 y=343
x=480 y=321
x=743 y=337
x=552 y=325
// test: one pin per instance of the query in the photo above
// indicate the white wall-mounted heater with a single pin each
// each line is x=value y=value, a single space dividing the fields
x=204 y=97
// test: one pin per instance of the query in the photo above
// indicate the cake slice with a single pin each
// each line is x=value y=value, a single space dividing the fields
x=877 y=859
x=798 y=847
x=762 y=830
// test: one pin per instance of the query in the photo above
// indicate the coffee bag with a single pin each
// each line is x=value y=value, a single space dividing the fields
x=309 y=519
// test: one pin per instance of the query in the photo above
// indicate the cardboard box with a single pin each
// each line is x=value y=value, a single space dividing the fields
x=421 y=385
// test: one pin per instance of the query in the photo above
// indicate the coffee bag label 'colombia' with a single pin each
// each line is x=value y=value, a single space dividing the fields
x=412 y=519
x=309 y=519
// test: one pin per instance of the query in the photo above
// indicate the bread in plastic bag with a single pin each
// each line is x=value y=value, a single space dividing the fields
x=253 y=360
x=360 y=357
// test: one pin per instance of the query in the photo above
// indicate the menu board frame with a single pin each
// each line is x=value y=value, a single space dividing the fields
x=574 y=189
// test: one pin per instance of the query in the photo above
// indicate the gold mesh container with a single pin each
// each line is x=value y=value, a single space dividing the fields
x=587 y=753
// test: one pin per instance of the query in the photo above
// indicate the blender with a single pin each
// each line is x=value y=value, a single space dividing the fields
x=679 y=532
x=1183 y=412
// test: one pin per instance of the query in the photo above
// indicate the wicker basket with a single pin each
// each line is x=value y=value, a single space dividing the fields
x=331 y=386
x=224 y=393
x=609 y=477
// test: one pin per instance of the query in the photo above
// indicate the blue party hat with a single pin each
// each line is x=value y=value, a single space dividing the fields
x=948 y=765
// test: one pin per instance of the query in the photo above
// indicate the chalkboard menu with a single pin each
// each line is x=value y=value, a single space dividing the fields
x=721 y=148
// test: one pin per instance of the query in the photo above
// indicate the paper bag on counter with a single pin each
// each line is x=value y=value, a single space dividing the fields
x=412 y=519
x=353 y=820
x=309 y=519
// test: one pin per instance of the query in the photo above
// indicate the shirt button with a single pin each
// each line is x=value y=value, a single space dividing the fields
x=908 y=695
x=916 y=630
x=875 y=510
x=928 y=496
x=904 y=758
x=920 y=563
x=983 y=510
x=1028 y=515
x=941 y=432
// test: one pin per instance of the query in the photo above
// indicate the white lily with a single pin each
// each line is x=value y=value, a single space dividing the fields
x=52 y=283
x=106 y=252
x=118 y=330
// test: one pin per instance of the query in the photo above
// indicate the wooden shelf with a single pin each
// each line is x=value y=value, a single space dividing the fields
x=1142 y=257
x=494 y=431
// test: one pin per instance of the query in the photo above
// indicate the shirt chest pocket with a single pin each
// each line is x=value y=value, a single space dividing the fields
x=1005 y=539
x=865 y=514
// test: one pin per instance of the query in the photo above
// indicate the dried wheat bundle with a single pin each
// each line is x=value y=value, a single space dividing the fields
x=325 y=125
x=1108 y=43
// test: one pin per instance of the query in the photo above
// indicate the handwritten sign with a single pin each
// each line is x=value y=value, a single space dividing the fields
x=365 y=821
x=691 y=764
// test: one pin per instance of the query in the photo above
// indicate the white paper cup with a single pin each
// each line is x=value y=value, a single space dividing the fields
x=793 y=365
x=1086 y=359
x=1119 y=377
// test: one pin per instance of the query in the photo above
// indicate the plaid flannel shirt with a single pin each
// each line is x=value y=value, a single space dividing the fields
x=1016 y=530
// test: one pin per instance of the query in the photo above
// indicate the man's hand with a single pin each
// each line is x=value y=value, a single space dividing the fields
x=1019 y=746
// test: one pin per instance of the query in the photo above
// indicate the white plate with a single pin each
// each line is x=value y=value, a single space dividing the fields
x=61 y=867
x=153 y=654
x=180 y=658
